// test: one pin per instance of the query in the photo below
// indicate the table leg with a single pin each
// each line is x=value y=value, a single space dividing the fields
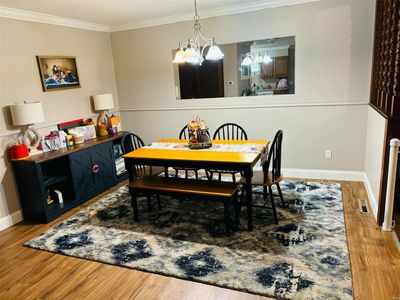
x=129 y=167
x=134 y=205
x=249 y=199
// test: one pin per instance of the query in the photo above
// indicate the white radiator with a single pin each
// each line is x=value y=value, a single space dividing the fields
x=388 y=222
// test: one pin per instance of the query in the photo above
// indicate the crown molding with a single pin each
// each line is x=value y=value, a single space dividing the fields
x=26 y=15
x=216 y=12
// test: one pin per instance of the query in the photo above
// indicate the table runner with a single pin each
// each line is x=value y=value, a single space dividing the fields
x=250 y=147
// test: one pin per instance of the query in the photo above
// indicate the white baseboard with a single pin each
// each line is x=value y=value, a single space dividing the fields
x=372 y=200
x=10 y=220
x=323 y=174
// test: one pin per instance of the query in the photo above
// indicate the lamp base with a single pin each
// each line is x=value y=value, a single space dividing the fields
x=102 y=124
x=31 y=138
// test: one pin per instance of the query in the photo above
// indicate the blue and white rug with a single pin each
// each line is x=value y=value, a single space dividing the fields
x=304 y=257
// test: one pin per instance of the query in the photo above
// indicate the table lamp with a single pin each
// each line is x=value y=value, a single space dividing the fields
x=28 y=114
x=103 y=102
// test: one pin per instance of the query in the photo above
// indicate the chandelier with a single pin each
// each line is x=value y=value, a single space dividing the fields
x=256 y=59
x=193 y=52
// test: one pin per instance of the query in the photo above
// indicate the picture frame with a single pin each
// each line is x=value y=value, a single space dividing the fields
x=58 y=72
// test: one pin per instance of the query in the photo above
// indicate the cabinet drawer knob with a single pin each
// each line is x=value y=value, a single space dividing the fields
x=96 y=168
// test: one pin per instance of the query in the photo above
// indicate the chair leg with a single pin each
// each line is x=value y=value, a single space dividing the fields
x=149 y=202
x=166 y=171
x=242 y=196
x=281 y=195
x=236 y=206
x=233 y=177
x=196 y=174
x=227 y=218
x=209 y=175
x=219 y=176
x=159 y=202
x=273 y=205
x=176 y=173
x=186 y=174
x=265 y=192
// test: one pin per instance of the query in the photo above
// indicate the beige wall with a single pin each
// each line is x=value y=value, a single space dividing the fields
x=230 y=70
x=20 y=42
x=376 y=128
x=333 y=65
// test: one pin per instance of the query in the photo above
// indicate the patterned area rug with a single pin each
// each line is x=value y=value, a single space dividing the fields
x=304 y=257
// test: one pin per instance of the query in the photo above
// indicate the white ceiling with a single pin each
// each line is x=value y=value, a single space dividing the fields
x=125 y=14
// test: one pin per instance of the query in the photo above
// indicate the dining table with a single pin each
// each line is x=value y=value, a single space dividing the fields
x=228 y=155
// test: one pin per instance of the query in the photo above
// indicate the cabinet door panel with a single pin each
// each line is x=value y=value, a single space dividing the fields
x=267 y=70
x=281 y=66
x=82 y=174
x=103 y=167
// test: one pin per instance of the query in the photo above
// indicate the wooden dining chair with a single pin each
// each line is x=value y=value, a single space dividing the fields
x=270 y=174
x=184 y=135
x=230 y=131
x=131 y=142
x=227 y=131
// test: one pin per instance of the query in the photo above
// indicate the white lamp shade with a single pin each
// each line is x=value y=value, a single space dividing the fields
x=192 y=56
x=247 y=61
x=214 y=53
x=103 y=101
x=179 y=57
x=267 y=59
x=27 y=113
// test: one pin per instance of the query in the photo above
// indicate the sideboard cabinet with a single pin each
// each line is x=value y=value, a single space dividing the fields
x=77 y=173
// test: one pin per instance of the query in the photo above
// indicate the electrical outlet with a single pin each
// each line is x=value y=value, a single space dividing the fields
x=328 y=154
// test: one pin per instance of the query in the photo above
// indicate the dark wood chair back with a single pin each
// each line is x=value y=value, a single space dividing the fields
x=274 y=157
x=131 y=142
x=184 y=134
x=230 y=131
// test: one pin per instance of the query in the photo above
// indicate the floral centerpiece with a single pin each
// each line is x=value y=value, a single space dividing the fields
x=199 y=137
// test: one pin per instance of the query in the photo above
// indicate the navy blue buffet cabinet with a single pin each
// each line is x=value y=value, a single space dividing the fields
x=78 y=173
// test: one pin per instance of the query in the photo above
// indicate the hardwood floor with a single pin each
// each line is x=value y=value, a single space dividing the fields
x=32 y=274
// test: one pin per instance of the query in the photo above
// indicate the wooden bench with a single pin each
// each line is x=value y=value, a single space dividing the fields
x=226 y=192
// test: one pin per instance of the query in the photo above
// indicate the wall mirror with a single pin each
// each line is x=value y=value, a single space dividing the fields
x=252 y=68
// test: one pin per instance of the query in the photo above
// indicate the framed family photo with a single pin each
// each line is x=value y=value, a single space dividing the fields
x=58 y=72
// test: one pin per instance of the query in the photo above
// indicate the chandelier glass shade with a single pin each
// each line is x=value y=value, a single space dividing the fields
x=197 y=45
x=256 y=59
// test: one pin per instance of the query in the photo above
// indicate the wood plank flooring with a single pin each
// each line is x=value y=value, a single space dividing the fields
x=33 y=274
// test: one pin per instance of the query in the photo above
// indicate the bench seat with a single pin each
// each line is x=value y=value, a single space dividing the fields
x=225 y=192
x=185 y=186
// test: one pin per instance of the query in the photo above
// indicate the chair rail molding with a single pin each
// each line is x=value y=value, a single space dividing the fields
x=242 y=106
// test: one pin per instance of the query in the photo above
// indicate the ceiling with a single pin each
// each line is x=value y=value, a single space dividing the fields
x=126 y=14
